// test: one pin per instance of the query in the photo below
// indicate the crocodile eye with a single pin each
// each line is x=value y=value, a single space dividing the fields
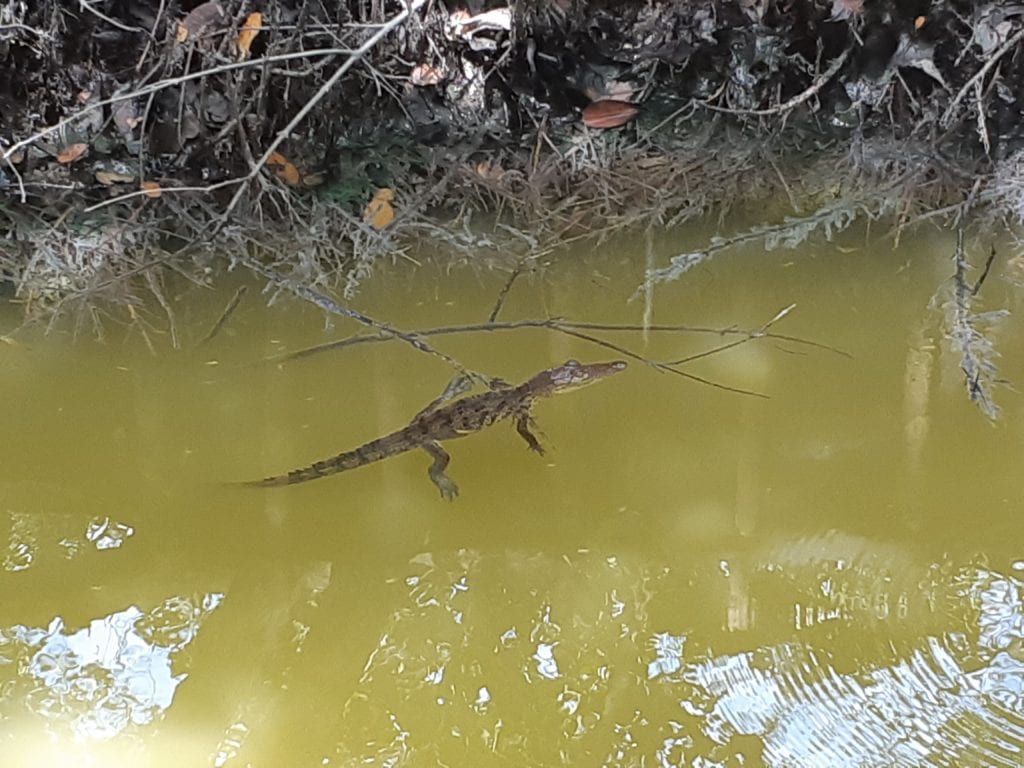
x=572 y=363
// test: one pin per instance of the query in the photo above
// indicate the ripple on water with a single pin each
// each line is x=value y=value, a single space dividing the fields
x=932 y=707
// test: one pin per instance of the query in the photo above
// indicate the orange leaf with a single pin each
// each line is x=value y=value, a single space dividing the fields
x=920 y=22
x=151 y=188
x=379 y=213
x=609 y=113
x=285 y=171
x=252 y=26
x=72 y=152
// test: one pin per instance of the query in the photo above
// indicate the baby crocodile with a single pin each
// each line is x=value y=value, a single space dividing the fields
x=462 y=417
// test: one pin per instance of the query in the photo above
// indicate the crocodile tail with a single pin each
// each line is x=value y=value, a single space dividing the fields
x=359 y=457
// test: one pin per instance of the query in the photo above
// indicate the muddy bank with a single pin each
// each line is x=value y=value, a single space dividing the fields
x=316 y=137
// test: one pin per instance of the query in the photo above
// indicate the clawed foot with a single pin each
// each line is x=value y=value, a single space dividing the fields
x=449 y=490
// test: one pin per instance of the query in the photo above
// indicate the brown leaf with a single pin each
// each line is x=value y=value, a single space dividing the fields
x=125 y=116
x=106 y=178
x=379 y=213
x=201 y=17
x=151 y=188
x=72 y=152
x=252 y=26
x=14 y=158
x=609 y=113
x=485 y=169
x=284 y=169
x=425 y=74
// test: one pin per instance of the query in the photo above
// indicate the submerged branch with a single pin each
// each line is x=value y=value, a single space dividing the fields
x=581 y=330
x=552 y=324
x=384 y=330
x=966 y=332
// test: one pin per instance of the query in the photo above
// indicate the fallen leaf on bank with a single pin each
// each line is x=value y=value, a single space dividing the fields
x=425 y=74
x=379 y=213
x=151 y=188
x=14 y=158
x=312 y=180
x=653 y=161
x=198 y=19
x=252 y=26
x=490 y=171
x=106 y=178
x=125 y=116
x=844 y=10
x=609 y=113
x=284 y=169
x=72 y=152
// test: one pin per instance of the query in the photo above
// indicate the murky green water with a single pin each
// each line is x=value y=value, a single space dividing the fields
x=690 y=577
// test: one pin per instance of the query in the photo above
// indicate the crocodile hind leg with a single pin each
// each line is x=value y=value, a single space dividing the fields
x=445 y=484
x=523 y=428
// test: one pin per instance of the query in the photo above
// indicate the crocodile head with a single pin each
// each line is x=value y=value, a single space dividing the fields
x=571 y=375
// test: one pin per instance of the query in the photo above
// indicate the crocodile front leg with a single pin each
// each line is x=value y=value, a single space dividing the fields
x=457 y=386
x=447 y=486
x=523 y=428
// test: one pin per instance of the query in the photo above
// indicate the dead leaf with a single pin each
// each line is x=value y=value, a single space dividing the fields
x=425 y=74
x=196 y=23
x=151 y=188
x=920 y=21
x=844 y=10
x=14 y=158
x=490 y=171
x=312 y=180
x=72 y=152
x=106 y=178
x=125 y=117
x=252 y=26
x=379 y=213
x=609 y=113
x=284 y=169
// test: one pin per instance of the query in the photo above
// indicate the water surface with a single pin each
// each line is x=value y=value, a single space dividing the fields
x=827 y=576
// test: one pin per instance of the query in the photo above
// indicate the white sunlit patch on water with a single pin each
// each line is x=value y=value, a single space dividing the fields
x=105 y=533
x=945 y=703
x=29 y=534
x=544 y=656
x=98 y=680
x=668 y=652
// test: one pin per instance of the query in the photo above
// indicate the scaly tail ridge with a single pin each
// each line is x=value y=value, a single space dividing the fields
x=360 y=457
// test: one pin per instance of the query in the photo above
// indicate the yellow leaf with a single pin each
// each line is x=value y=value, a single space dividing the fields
x=72 y=152
x=285 y=170
x=379 y=213
x=151 y=188
x=252 y=26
